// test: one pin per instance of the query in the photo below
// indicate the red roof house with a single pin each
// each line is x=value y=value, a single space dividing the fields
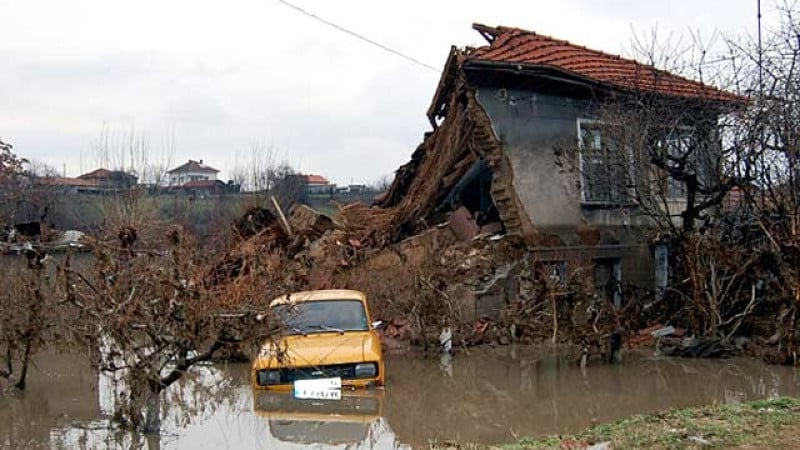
x=111 y=178
x=520 y=143
x=97 y=181
x=191 y=171
x=317 y=184
x=316 y=180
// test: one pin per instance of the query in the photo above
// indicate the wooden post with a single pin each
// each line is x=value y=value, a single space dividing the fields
x=284 y=222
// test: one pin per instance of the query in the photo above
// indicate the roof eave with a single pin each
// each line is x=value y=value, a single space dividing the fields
x=566 y=76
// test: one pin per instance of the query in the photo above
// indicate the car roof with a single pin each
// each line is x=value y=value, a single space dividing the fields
x=327 y=294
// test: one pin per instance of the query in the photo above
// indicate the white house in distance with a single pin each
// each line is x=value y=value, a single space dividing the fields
x=317 y=184
x=191 y=171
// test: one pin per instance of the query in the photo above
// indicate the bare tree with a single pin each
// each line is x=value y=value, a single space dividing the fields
x=382 y=184
x=12 y=168
x=771 y=213
x=26 y=302
x=27 y=313
x=132 y=152
x=710 y=173
x=720 y=178
x=263 y=174
x=148 y=314
x=39 y=193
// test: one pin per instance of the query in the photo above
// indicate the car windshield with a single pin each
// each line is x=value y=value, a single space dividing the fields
x=323 y=316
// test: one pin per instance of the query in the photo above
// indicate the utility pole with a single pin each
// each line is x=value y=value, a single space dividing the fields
x=760 y=70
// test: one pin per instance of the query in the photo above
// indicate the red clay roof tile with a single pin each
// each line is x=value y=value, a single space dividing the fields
x=517 y=46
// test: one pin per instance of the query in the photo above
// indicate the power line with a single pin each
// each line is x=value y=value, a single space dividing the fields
x=358 y=36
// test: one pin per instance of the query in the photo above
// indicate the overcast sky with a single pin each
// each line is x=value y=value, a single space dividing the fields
x=225 y=76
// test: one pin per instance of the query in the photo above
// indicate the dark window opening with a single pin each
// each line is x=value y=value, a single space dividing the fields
x=608 y=279
x=473 y=191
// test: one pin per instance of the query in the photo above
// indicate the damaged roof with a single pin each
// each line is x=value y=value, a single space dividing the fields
x=518 y=47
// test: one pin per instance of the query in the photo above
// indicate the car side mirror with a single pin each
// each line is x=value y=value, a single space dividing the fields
x=377 y=324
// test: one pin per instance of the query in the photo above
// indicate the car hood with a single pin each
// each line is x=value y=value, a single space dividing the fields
x=318 y=349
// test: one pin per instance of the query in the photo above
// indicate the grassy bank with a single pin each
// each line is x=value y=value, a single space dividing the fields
x=759 y=424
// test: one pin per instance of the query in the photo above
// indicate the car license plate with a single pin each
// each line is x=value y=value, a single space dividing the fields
x=319 y=389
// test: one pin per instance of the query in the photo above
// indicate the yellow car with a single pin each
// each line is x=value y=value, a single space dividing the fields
x=328 y=335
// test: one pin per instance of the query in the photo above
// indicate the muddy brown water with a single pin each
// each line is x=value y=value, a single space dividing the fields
x=488 y=396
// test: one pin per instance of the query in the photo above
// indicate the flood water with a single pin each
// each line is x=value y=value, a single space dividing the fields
x=488 y=396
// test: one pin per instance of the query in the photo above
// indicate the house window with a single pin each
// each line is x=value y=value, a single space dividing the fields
x=606 y=166
x=675 y=147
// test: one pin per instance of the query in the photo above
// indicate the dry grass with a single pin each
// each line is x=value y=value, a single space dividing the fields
x=754 y=425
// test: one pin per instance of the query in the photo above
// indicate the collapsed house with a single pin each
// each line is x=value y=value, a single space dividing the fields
x=486 y=222
x=500 y=115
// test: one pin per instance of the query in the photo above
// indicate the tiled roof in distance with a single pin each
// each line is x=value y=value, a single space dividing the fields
x=194 y=166
x=517 y=46
x=316 y=179
x=97 y=173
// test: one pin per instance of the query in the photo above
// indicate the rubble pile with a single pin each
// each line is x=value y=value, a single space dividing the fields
x=486 y=287
x=365 y=224
x=256 y=233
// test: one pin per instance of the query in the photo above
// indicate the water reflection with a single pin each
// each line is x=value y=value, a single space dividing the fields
x=486 y=396
x=494 y=396
x=355 y=421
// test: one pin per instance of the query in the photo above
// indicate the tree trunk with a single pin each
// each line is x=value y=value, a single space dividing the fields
x=152 y=415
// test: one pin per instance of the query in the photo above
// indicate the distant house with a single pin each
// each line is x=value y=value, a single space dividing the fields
x=317 y=184
x=191 y=171
x=99 y=181
x=116 y=179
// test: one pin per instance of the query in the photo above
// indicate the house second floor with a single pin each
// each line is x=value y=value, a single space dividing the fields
x=191 y=171
x=588 y=137
x=537 y=135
